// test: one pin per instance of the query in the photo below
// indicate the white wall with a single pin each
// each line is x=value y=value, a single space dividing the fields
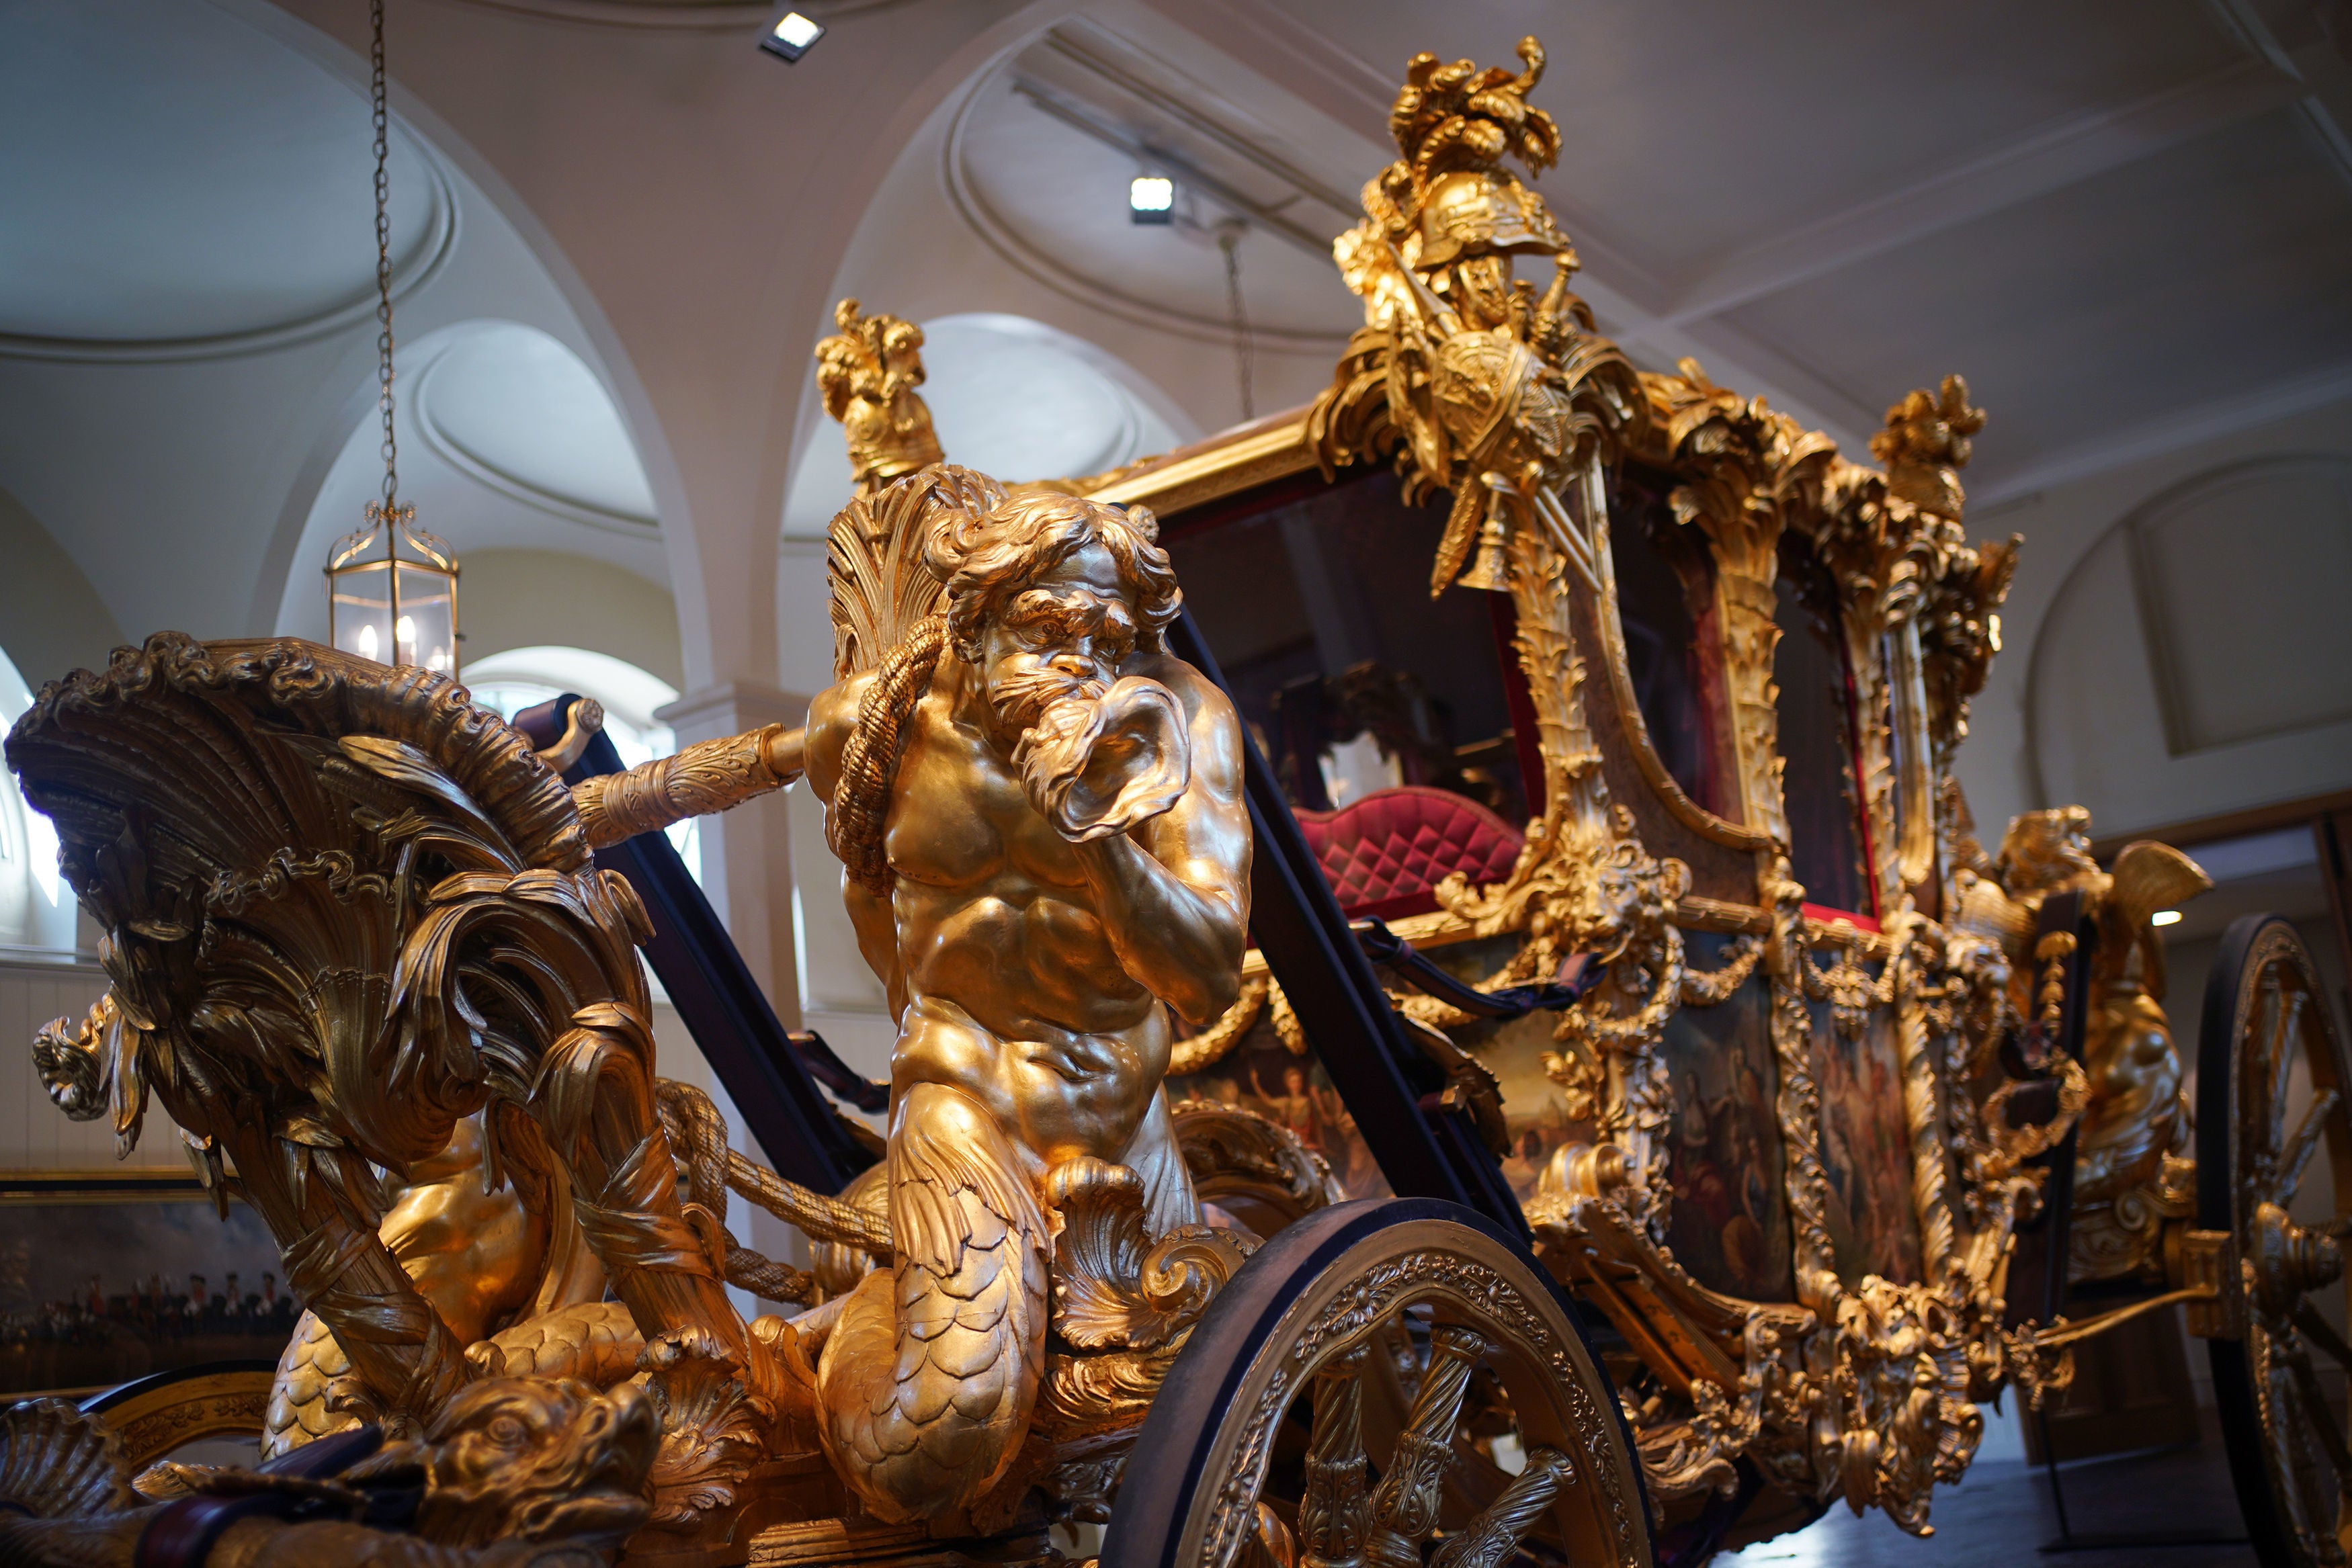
x=34 y=1134
x=2073 y=597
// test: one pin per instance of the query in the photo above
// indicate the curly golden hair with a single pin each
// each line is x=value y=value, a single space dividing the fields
x=985 y=559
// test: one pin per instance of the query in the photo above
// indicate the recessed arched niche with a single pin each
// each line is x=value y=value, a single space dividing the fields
x=2194 y=662
x=511 y=442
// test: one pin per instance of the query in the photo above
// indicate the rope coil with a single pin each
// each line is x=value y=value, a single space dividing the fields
x=869 y=762
x=695 y=1127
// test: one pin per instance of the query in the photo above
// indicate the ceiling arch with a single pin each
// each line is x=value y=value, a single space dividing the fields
x=218 y=197
x=1013 y=398
x=1042 y=146
x=508 y=440
x=520 y=414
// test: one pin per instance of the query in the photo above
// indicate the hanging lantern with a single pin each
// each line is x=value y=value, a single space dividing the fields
x=392 y=592
x=391 y=587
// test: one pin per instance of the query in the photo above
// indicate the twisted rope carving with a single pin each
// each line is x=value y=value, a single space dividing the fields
x=693 y=1124
x=767 y=1278
x=861 y=801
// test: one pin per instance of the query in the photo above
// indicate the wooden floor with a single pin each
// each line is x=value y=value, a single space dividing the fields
x=2001 y=1514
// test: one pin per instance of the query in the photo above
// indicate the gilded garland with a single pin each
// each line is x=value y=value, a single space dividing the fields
x=1469 y=381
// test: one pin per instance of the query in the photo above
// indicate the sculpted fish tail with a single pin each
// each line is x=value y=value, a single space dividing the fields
x=928 y=1377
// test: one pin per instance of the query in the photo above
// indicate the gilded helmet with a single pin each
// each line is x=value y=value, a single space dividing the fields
x=1475 y=211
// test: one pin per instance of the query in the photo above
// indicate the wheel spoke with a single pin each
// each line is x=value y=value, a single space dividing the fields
x=2300 y=1147
x=2318 y=1415
x=2285 y=1012
x=1492 y=1537
x=1271 y=1543
x=1333 y=1510
x=1404 y=1509
x=2321 y=1332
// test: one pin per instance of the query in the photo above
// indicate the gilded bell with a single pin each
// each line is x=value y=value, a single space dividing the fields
x=1489 y=569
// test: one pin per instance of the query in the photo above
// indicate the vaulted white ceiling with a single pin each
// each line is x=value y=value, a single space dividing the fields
x=176 y=180
x=2129 y=223
x=188 y=325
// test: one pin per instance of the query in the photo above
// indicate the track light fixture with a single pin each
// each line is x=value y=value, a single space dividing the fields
x=1152 y=199
x=791 y=35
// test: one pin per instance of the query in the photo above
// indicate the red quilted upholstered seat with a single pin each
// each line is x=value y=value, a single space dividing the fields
x=1385 y=853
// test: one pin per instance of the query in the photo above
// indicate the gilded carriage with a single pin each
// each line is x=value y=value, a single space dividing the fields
x=1644 y=1114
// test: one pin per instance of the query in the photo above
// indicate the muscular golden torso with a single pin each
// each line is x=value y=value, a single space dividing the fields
x=1007 y=981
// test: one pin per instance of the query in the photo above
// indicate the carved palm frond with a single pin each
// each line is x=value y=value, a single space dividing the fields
x=345 y=909
x=875 y=556
x=249 y=822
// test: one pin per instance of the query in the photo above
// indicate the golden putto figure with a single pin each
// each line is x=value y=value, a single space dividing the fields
x=868 y=371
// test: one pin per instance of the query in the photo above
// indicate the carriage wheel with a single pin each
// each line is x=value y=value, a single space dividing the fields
x=2264 y=1012
x=158 y=1412
x=1379 y=1375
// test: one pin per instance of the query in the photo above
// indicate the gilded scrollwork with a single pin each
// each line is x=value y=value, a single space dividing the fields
x=1914 y=605
x=1253 y=1168
x=1212 y=1045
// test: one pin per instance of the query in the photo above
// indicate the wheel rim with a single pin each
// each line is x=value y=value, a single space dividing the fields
x=2276 y=1171
x=1394 y=1373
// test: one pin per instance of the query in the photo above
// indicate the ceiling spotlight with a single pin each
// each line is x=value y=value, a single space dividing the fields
x=792 y=36
x=1152 y=199
x=2165 y=918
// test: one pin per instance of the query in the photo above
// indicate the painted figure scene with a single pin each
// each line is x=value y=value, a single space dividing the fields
x=1261 y=1074
x=180 y=1287
x=1729 y=1224
x=1865 y=1148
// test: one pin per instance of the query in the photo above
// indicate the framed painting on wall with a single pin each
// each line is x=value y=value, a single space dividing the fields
x=107 y=1276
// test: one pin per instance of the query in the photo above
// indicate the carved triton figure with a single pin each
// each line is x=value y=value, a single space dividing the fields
x=1040 y=814
x=361 y=953
x=1040 y=810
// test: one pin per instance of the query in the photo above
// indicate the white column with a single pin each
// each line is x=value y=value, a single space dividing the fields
x=746 y=853
x=840 y=999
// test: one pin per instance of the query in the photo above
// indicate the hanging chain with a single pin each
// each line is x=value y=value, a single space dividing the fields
x=1229 y=239
x=390 y=511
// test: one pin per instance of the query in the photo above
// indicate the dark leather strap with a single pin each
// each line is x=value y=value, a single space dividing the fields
x=184 y=1532
x=1385 y=947
x=844 y=1082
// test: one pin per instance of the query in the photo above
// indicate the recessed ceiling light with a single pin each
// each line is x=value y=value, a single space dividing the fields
x=1152 y=199
x=2165 y=918
x=792 y=36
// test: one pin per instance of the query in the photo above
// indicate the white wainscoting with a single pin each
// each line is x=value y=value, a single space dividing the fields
x=34 y=1134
